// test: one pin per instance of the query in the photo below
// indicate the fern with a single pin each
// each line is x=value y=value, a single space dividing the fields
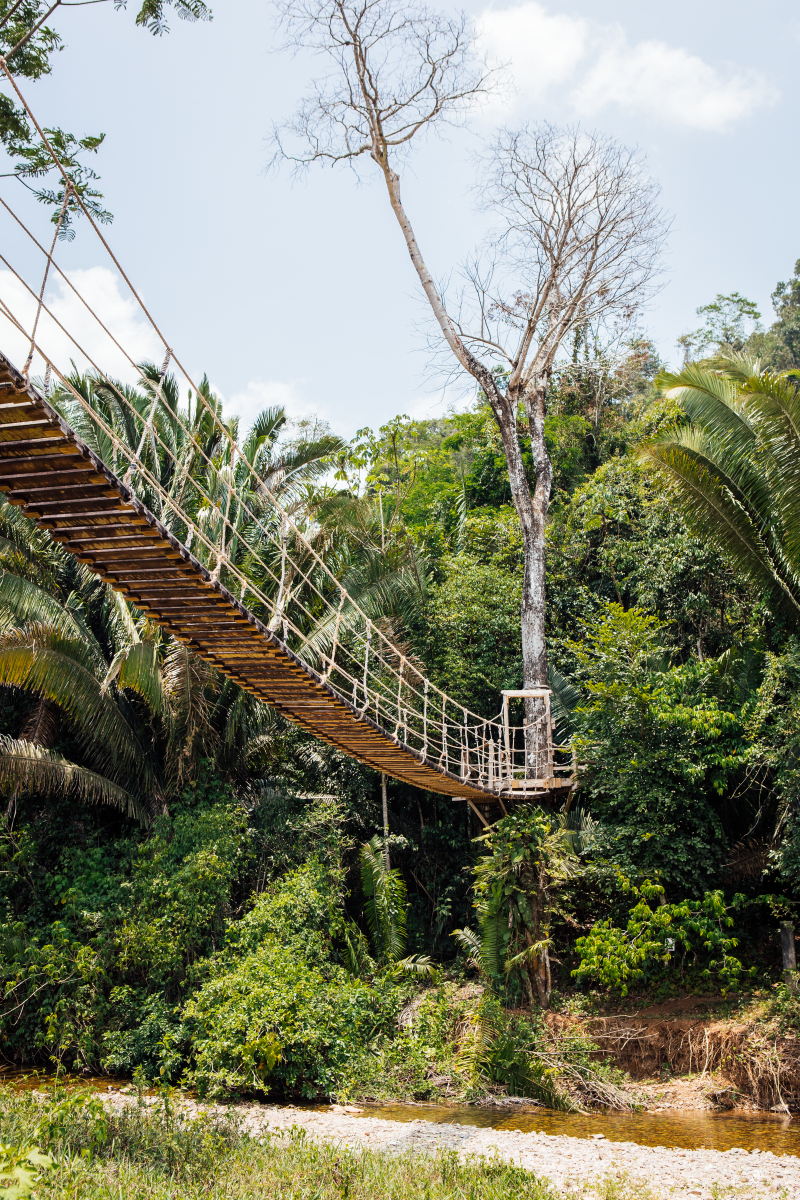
x=384 y=902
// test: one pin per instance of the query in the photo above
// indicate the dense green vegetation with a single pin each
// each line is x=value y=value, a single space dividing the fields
x=193 y=891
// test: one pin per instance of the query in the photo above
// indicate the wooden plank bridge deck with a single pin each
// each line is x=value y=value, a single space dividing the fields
x=66 y=489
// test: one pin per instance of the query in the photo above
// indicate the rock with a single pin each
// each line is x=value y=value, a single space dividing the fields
x=570 y=1164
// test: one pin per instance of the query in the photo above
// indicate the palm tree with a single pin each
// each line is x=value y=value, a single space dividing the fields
x=531 y=854
x=49 y=652
x=137 y=709
x=732 y=462
x=140 y=709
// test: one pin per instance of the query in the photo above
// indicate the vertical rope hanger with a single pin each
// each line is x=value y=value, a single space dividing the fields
x=409 y=684
x=59 y=223
x=399 y=697
x=443 y=755
x=332 y=659
x=277 y=610
x=425 y=721
x=148 y=425
x=366 y=666
x=225 y=523
x=464 y=749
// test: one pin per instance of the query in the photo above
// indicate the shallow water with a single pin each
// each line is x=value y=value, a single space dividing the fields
x=30 y=1079
x=687 y=1130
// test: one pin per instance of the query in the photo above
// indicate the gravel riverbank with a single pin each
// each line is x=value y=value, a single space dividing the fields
x=569 y=1162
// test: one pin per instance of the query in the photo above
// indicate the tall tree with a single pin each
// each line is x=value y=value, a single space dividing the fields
x=779 y=348
x=729 y=321
x=578 y=225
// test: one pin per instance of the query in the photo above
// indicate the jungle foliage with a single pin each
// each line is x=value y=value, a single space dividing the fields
x=192 y=890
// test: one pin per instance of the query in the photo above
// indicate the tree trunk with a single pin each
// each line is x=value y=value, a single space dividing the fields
x=531 y=508
x=534 y=646
x=385 y=802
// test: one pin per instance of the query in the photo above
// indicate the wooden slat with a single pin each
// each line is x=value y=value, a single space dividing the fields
x=61 y=484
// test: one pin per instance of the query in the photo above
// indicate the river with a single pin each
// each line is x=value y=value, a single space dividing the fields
x=689 y=1130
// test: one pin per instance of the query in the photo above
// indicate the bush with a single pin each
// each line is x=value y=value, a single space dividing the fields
x=276 y=1009
x=659 y=752
x=694 y=934
x=93 y=968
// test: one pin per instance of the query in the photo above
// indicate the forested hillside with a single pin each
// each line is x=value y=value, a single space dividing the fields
x=194 y=890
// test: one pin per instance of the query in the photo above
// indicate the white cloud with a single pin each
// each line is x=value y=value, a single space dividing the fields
x=119 y=313
x=259 y=394
x=602 y=68
x=670 y=83
x=542 y=49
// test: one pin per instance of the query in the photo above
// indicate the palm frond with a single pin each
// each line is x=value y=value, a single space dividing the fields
x=29 y=602
x=733 y=466
x=415 y=964
x=715 y=507
x=50 y=666
x=121 y=618
x=565 y=699
x=469 y=940
x=137 y=667
x=41 y=724
x=384 y=901
x=188 y=685
x=30 y=768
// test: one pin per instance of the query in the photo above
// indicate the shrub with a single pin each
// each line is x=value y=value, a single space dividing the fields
x=695 y=933
x=276 y=1009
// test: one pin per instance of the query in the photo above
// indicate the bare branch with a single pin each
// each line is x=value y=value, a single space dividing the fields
x=579 y=237
x=397 y=70
x=579 y=229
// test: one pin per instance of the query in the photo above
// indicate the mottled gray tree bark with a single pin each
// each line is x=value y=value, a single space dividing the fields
x=576 y=243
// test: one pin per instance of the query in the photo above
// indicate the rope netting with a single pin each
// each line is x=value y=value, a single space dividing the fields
x=188 y=468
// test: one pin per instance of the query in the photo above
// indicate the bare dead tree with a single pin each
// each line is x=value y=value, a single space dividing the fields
x=579 y=230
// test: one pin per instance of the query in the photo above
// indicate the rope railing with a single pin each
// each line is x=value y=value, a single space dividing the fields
x=263 y=549
x=459 y=741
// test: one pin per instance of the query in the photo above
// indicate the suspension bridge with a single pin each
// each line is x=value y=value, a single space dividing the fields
x=276 y=621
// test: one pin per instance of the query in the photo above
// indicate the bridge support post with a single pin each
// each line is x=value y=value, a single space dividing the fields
x=475 y=809
x=385 y=801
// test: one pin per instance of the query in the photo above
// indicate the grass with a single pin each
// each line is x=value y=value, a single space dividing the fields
x=154 y=1153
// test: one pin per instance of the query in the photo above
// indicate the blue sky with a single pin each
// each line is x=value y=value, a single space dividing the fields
x=302 y=293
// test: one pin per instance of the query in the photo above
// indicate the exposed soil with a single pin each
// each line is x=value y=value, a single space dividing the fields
x=678 y=1054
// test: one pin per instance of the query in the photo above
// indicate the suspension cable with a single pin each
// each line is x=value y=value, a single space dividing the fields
x=245 y=507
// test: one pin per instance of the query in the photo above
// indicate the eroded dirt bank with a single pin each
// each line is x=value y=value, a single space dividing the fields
x=678 y=1056
x=569 y=1162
